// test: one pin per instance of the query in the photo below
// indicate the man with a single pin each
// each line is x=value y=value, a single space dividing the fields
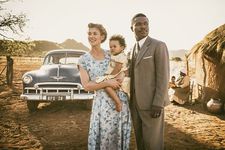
x=149 y=86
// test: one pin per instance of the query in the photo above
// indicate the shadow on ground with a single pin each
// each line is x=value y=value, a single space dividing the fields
x=178 y=140
x=198 y=107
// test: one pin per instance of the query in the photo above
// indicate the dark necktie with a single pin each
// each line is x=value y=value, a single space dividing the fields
x=137 y=49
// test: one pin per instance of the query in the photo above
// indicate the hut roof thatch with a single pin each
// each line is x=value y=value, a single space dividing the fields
x=212 y=46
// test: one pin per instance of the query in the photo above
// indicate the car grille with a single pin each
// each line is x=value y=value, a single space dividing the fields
x=39 y=91
x=55 y=88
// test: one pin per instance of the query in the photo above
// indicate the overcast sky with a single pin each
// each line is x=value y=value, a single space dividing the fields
x=179 y=23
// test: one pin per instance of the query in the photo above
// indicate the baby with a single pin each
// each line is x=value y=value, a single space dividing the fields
x=118 y=68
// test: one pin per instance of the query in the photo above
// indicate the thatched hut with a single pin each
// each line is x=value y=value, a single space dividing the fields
x=209 y=56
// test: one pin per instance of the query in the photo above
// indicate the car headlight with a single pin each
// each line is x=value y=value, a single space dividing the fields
x=27 y=79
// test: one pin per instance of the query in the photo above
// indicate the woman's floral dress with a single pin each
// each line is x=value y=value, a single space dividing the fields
x=109 y=129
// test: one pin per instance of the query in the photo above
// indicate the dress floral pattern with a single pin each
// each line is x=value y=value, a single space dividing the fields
x=109 y=129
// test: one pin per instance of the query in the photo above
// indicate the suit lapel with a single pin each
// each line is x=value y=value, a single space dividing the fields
x=132 y=52
x=143 y=50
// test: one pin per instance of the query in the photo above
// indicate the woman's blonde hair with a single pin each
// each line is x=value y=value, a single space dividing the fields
x=100 y=28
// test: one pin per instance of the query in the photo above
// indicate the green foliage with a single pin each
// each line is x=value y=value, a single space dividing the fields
x=15 y=48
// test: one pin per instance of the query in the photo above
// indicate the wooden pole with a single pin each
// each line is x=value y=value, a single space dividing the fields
x=187 y=64
x=9 y=71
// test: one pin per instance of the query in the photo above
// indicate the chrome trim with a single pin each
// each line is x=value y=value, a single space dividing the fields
x=70 y=93
x=58 y=77
x=40 y=97
x=58 y=83
x=28 y=76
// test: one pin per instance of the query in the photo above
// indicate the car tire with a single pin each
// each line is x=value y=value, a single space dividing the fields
x=32 y=106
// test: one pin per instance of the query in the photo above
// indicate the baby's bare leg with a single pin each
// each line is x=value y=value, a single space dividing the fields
x=114 y=96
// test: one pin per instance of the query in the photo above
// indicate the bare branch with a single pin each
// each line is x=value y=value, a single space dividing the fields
x=5 y=36
x=3 y=1
x=12 y=23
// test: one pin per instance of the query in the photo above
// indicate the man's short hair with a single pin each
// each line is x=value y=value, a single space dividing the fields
x=137 y=15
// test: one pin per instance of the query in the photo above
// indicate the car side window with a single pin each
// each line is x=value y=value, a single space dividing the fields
x=55 y=60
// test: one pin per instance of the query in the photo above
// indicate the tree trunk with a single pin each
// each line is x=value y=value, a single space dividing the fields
x=9 y=71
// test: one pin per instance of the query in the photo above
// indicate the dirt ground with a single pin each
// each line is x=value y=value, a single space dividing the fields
x=64 y=125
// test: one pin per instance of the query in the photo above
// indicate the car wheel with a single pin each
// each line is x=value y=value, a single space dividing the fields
x=32 y=106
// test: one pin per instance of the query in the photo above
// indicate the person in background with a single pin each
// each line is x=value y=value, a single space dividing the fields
x=149 y=86
x=172 y=82
x=109 y=129
x=181 y=88
x=55 y=59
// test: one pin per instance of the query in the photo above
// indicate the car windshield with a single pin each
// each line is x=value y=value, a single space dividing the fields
x=62 y=58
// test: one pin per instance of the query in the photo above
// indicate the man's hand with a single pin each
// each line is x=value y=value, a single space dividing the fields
x=156 y=111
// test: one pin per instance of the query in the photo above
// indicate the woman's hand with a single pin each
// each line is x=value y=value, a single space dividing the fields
x=113 y=83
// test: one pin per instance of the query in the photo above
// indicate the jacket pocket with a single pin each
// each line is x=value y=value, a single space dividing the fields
x=147 y=57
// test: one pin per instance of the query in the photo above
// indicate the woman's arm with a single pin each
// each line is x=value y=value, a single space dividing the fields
x=92 y=85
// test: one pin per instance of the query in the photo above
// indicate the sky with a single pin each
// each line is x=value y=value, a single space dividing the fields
x=179 y=23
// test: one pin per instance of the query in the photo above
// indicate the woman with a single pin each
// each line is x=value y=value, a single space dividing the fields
x=109 y=129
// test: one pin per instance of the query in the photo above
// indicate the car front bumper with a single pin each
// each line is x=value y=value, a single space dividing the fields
x=54 y=93
x=60 y=97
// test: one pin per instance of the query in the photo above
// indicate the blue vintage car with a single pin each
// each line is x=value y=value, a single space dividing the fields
x=58 y=79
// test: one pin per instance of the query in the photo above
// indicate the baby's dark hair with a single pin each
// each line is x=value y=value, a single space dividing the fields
x=118 y=38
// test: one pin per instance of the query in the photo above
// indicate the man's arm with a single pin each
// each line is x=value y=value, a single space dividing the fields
x=162 y=74
x=162 y=79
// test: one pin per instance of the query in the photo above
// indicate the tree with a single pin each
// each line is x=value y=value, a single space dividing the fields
x=12 y=23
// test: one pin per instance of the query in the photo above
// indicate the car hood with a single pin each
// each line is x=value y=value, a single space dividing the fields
x=57 y=73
